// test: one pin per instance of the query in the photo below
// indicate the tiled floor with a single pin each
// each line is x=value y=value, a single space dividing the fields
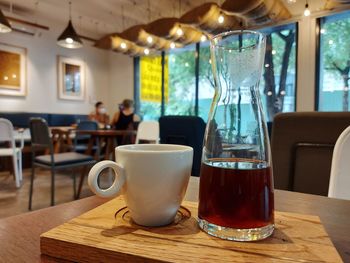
x=14 y=201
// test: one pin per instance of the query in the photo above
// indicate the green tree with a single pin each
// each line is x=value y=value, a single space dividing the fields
x=336 y=53
x=278 y=58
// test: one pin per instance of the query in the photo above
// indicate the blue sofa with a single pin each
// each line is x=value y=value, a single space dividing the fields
x=21 y=119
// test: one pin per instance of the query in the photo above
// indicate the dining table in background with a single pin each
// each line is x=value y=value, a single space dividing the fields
x=20 y=235
x=107 y=136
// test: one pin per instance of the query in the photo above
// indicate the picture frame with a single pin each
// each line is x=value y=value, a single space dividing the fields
x=13 y=70
x=71 y=79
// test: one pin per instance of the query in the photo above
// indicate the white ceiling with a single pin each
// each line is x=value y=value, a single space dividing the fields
x=96 y=18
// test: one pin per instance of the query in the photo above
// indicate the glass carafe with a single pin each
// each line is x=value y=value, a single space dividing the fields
x=236 y=199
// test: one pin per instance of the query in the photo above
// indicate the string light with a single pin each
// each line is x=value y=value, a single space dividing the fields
x=172 y=45
x=179 y=32
x=123 y=45
x=203 y=38
x=307 y=10
x=146 y=51
x=221 y=19
x=149 y=39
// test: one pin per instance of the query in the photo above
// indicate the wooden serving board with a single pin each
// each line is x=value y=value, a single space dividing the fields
x=107 y=234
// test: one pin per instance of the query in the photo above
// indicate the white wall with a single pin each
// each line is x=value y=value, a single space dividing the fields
x=306 y=82
x=109 y=76
x=121 y=72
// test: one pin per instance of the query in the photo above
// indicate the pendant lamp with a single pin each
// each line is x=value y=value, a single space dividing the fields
x=69 y=38
x=5 y=26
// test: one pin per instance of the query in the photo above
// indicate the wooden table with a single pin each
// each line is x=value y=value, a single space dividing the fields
x=19 y=235
x=109 y=136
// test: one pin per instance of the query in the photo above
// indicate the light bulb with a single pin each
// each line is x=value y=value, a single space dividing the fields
x=221 y=19
x=323 y=31
x=273 y=52
x=307 y=10
x=123 y=45
x=69 y=40
x=179 y=32
x=331 y=42
x=186 y=64
x=149 y=39
x=269 y=93
x=146 y=51
x=203 y=38
x=172 y=45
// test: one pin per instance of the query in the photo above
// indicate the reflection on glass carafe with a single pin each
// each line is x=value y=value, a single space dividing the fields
x=236 y=199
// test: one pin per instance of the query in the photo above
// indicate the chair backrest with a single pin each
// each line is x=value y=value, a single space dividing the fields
x=40 y=134
x=148 y=130
x=339 y=183
x=6 y=131
x=185 y=130
x=302 y=148
x=86 y=126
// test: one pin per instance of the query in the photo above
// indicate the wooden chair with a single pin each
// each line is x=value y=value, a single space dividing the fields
x=41 y=140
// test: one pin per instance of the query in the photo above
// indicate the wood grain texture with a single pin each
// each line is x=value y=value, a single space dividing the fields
x=102 y=235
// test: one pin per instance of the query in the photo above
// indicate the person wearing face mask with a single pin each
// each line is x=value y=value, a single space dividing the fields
x=100 y=115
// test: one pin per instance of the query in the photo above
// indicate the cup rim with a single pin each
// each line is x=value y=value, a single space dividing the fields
x=214 y=40
x=142 y=148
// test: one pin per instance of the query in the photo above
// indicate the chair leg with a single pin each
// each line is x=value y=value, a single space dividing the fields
x=82 y=177
x=52 y=186
x=31 y=187
x=74 y=184
x=15 y=169
x=20 y=166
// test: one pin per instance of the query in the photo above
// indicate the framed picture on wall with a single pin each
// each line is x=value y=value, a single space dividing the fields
x=13 y=63
x=71 y=79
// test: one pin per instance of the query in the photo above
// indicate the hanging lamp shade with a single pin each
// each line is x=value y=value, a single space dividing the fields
x=69 y=38
x=206 y=17
x=117 y=43
x=171 y=29
x=140 y=37
x=257 y=11
x=5 y=26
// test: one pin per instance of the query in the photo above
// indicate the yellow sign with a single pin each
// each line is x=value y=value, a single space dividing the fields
x=151 y=79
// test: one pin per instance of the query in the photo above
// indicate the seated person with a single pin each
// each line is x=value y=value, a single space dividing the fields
x=124 y=118
x=100 y=115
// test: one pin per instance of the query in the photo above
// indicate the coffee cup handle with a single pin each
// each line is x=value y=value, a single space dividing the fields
x=117 y=185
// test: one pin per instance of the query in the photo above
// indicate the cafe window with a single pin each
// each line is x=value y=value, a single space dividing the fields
x=180 y=99
x=334 y=63
x=277 y=85
x=149 y=99
x=205 y=81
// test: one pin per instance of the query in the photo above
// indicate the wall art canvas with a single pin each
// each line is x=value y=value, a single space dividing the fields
x=71 y=79
x=12 y=70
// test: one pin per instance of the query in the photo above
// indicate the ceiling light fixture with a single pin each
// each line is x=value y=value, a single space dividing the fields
x=5 y=26
x=307 y=10
x=69 y=37
x=221 y=19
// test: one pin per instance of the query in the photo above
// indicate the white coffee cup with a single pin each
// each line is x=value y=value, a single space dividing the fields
x=154 y=179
